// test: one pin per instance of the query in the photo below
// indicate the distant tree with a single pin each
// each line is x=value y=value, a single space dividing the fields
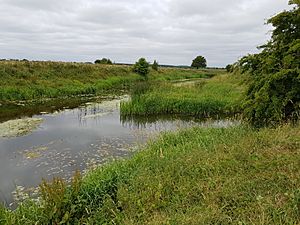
x=155 y=65
x=199 y=62
x=229 y=68
x=103 y=61
x=141 y=67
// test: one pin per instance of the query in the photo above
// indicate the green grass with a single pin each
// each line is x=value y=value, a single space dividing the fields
x=235 y=175
x=35 y=80
x=198 y=176
x=219 y=95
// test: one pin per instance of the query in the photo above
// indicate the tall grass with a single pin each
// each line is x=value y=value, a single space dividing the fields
x=197 y=176
x=217 y=96
x=21 y=80
x=36 y=80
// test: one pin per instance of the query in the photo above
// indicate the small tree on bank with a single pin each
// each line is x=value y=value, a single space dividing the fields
x=155 y=65
x=199 y=62
x=141 y=67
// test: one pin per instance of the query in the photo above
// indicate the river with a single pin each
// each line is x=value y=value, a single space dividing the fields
x=76 y=138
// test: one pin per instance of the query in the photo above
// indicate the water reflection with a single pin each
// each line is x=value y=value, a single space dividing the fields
x=140 y=122
x=79 y=137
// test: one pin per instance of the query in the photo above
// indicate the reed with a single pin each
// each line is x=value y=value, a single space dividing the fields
x=220 y=95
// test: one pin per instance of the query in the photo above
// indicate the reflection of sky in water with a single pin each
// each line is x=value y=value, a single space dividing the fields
x=73 y=139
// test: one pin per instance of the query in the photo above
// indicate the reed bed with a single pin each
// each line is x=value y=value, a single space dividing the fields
x=220 y=95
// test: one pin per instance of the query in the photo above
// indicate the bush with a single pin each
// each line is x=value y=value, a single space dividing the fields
x=103 y=61
x=229 y=68
x=273 y=96
x=141 y=67
x=155 y=65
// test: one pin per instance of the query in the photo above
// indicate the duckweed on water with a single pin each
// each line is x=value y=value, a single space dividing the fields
x=19 y=127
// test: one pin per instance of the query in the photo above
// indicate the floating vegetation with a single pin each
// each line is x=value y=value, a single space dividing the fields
x=19 y=127
x=34 y=153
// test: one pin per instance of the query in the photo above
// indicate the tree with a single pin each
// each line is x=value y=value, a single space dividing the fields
x=273 y=96
x=155 y=65
x=103 y=61
x=141 y=67
x=199 y=62
x=229 y=68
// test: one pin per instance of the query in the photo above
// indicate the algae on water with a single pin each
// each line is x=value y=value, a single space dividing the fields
x=19 y=127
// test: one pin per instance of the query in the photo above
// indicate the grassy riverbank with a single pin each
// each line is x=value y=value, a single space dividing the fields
x=235 y=175
x=22 y=80
x=198 y=176
x=220 y=95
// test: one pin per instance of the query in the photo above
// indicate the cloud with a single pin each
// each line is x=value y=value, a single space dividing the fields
x=171 y=31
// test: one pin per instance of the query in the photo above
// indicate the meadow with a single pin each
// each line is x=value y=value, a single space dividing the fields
x=26 y=80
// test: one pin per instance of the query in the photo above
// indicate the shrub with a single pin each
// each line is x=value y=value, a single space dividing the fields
x=273 y=96
x=141 y=67
x=155 y=65
x=103 y=61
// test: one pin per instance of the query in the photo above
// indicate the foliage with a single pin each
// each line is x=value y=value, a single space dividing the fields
x=236 y=175
x=103 y=61
x=229 y=68
x=274 y=93
x=155 y=65
x=60 y=201
x=199 y=62
x=141 y=67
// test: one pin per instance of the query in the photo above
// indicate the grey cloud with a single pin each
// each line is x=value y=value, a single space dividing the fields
x=171 y=31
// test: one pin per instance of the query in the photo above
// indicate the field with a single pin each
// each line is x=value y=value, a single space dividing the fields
x=22 y=80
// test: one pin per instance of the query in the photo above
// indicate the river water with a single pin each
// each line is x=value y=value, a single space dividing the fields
x=77 y=139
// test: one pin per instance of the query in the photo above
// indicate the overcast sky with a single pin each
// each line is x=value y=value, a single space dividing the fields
x=171 y=31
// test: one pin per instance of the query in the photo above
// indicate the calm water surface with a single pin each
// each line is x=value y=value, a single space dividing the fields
x=76 y=139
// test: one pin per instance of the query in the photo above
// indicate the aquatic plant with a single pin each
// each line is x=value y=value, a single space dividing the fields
x=215 y=97
x=199 y=175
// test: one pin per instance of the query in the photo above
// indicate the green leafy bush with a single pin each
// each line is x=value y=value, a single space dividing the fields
x=273 y=96
x=141 y=67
